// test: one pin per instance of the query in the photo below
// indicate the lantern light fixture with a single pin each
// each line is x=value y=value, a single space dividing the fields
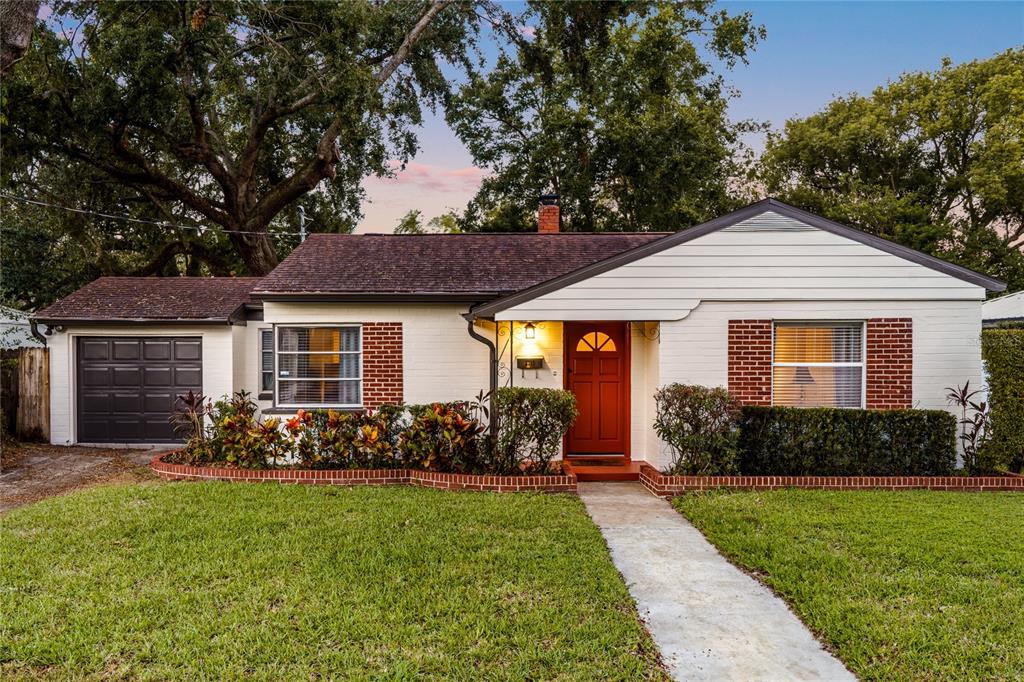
x=531 y=331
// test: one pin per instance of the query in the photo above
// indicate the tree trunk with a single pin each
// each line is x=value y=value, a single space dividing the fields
x=17 y=19
x=257 y=252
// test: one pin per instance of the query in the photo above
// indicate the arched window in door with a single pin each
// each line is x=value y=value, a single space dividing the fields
x=595 y=341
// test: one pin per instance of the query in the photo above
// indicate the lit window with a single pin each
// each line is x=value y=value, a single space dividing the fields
x=595 y=341
x=319 y=367
x=818 y=364
x=266 y=361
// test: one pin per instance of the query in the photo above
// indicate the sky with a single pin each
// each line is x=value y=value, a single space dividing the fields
x=814 y=52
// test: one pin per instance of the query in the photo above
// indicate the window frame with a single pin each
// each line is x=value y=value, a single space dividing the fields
x=317 y=325
x=825 y=323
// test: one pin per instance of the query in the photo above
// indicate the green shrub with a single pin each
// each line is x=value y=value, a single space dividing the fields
x=443 y=437
x=699 y=424
x=789 y=441
x=531 y=425
x=1003 y=350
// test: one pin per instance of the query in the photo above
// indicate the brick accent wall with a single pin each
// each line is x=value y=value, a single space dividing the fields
x=382 y=364
x=890 y=363
x=750 y=361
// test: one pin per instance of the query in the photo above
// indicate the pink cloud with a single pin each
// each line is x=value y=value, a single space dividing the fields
x=432 y=177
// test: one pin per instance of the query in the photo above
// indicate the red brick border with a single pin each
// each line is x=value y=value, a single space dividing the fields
x=382 y=364
x=670 y=486
x=890 y=363
x=750 y=361
x=563 y=483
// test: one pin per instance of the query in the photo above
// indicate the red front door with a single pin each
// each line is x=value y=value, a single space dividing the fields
x=597 y=368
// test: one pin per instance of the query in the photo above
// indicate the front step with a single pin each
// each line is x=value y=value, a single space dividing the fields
x=616 y=469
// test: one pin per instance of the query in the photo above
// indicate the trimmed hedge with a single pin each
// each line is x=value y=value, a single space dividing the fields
x=1003 y=350
x=788 y=441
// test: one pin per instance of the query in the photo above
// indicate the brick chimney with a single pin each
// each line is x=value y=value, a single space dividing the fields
x=549 y=217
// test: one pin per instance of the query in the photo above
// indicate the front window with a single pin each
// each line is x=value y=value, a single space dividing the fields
x=818 y=364
x=319 y=366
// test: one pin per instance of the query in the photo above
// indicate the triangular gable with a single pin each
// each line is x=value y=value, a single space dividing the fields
x=781 y=217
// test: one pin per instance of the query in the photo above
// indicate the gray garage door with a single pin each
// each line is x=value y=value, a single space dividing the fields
x=127 y=386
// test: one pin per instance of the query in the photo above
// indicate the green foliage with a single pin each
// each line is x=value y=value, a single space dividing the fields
x=412 y=223
x=531 y=425
x=443 y=437
x=223 y=114
x=610 y=105
x=789 y=441
x=699 y=424
x=366 y=439
x=1003 y=351
x=907 y=585
x=934 y=161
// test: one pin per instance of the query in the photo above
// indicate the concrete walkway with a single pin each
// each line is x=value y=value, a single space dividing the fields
x=710 y=620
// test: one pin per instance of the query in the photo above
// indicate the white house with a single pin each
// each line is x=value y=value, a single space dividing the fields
x=779 y=305
x=1008 y=308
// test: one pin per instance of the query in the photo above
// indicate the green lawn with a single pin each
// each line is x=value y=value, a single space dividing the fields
x=901 y=585
x=223 y=581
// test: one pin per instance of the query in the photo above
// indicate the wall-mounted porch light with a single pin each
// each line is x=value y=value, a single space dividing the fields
x=530 y=330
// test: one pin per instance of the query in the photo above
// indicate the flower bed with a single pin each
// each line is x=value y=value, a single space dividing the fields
x=552 y=483
x=670 y=486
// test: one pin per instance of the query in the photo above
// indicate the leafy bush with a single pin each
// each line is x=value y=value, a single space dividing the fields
x=699 y=424
x=531 y=425
x=1003 y=350
x=443 y=437
x=789 y=441
x=233 y=434
x=348 y=440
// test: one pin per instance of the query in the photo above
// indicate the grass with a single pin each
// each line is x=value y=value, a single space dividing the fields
x=222 y=581
x=901 y=585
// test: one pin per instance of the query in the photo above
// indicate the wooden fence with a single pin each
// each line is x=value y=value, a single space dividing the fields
x=25 y=393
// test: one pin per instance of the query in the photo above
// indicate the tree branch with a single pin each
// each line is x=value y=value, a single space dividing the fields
x=322 y=165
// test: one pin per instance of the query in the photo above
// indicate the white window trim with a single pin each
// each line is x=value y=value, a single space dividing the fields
x=277 y=372
x=863 y=364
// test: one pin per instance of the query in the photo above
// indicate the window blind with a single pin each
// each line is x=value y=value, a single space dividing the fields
x=818 y=364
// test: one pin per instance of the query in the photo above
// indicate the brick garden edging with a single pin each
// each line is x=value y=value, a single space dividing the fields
x=670 y=486
x=563 y=483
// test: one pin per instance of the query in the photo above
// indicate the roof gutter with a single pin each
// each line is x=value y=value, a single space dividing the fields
x=94 y=322
x=492 y=426
x=371 y=297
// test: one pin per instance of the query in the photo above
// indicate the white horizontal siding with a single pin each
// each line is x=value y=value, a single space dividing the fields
x=946 y=338
x=440 y=360
x=946 y=342
x=218 y=366
x=768 y=257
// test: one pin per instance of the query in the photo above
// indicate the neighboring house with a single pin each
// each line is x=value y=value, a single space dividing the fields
x=781 y=306
x=16 y=330
x=1008 y=308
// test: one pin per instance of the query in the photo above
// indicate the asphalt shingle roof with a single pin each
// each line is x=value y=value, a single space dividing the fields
x=490 y=264
x=153 y=298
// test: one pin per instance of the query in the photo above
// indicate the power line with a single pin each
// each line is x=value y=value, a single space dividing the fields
x=198 y=228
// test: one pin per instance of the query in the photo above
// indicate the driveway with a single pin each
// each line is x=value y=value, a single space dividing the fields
x=710 y=620
x=32 y=471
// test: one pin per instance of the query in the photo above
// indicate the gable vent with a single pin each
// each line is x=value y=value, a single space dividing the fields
x=769 y=221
